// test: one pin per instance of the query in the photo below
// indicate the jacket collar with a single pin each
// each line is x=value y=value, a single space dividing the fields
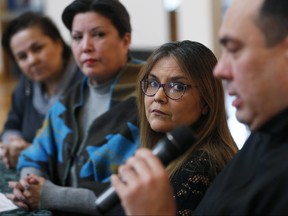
x=277 y=124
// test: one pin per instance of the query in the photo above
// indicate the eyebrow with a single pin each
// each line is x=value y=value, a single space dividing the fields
x=224 y=40
x=174 y=78
x=95 y=28
x=31 y=46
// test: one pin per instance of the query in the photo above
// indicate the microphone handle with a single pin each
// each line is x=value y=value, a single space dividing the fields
x=167 y=149
x=107 y=199
x=110 y=198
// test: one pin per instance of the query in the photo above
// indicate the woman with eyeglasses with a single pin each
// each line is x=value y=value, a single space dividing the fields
x=177 y=87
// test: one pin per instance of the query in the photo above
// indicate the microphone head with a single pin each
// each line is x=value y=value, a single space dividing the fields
x=182 y=138
x=175 y=143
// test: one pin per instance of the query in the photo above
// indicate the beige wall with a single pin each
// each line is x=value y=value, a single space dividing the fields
x=197 y=20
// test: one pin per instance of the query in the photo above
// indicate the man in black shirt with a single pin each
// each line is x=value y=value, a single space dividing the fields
x=254 y=63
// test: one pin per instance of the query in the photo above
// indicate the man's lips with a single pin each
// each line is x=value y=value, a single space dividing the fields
x=237 y=102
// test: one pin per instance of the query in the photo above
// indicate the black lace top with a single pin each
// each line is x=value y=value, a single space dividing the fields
x=191 y=181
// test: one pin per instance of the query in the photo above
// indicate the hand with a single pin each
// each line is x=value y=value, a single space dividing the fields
x=12 y=150
x=33 y=193
x=17 y=197
x=26 y=192
x=144 y=187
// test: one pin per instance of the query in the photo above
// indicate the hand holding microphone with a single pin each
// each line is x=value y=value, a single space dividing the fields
x=167 y=149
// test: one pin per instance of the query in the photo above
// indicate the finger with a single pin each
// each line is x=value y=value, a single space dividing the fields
x=150 y=159
x=138 y=165
x=119 y=185
x=147 y=166
x=34 y=179
x=117 y=182
x=128 y=175
x=24 y=183
x=26 y=193
x=14 y=138
x=21 y=205
x=12 y=184
x=126 y=172
x=16 y=185
x=10 y=196
x=16 y=144
x=16 y=202
x=18 y=195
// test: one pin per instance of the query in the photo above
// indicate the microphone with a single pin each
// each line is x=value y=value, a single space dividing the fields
x=167 y=149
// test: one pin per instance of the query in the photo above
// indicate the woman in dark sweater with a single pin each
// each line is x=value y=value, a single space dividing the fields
x=36 y=46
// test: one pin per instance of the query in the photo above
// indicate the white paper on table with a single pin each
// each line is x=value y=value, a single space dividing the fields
x=6 y=204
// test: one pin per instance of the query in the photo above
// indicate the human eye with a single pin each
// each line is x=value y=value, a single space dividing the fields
x=153 y=83
x=37 y=48
x=232 y=48
x=231 y=44
x=177 y=87
x=76 y=37
x=21 y=56
x=98 y=34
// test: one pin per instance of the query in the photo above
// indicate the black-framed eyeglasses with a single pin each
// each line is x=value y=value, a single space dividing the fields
x=173 y=90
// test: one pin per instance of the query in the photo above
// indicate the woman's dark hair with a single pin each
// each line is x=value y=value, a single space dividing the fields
x=29 y=20
x=111 y=9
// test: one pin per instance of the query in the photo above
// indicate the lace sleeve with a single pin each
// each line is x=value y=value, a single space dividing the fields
x=191 y=181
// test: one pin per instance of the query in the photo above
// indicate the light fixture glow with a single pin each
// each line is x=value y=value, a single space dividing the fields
x=171 y=5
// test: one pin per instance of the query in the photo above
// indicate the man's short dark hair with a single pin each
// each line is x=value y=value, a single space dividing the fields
x=273 y=20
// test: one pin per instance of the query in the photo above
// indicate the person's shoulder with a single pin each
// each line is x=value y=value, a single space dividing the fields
x=78 y=74
x=76 y=89
x=24 y=86
x=73 y=97
x=134 y=65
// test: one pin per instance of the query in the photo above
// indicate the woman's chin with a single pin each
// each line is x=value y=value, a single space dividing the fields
x=161 y=128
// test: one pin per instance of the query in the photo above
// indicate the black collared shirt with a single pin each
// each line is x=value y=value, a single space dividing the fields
x=255 y=182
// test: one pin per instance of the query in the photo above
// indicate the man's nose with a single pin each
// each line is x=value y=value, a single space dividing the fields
x=222 y=69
